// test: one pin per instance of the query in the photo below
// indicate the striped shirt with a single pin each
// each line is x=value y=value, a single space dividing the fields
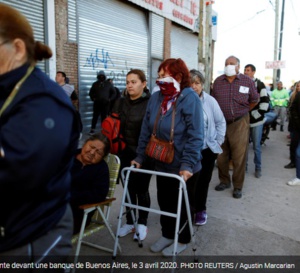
x=234 y=98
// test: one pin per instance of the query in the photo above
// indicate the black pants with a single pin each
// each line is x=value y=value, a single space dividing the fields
x=294 y=143
x=78 y=217
x=202 y=185
x=99 y=109
x=167 y=196
x=138 y=188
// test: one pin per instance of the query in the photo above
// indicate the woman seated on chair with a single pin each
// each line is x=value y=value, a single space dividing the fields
x=90 y=177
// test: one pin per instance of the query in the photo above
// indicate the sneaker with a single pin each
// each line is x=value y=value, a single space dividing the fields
x=201 y=218
x=222 y=187
x=257 y=173
x=142 y=230
x=168 y=251
x=126 y=229
x=92 y=132
x=161 y=244
x=294 y=182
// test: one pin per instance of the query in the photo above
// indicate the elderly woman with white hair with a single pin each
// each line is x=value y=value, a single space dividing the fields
x=214 y=133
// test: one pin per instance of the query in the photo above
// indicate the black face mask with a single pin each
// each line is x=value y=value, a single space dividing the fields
x=101 y=78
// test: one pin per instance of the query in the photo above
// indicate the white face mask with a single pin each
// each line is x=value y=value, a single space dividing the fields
x=229 y=70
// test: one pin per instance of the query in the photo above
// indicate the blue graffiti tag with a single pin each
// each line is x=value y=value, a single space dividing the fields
x=94 y=60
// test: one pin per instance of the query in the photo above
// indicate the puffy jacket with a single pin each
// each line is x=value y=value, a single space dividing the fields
x=38 y=139
x=132 y=113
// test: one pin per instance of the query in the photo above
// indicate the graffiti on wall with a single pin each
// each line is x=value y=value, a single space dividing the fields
x=104 y=61
x=95 y=61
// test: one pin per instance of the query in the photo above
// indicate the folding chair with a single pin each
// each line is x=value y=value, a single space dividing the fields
x=182 y=194
x=99 y=219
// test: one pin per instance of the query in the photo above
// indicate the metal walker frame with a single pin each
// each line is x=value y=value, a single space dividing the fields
x=182 y=189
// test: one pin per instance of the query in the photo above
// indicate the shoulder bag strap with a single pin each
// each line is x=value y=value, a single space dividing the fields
x=172 y=125
x=156 y=120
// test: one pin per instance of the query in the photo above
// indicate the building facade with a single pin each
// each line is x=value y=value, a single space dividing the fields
x=87 y=36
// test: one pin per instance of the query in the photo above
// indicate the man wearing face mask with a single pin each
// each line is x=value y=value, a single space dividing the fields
x=101 y=93
x=236 y=95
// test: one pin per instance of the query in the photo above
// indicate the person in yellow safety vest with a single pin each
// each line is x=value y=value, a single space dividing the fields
x=279 y=100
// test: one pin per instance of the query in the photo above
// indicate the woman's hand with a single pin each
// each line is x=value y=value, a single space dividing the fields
x=185 y=174
x=136 y=164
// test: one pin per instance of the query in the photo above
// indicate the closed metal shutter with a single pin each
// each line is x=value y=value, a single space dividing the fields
x=33 y=10
x=184 y=45
x=157 y=45
x=72 y=21
x=157 y=36
x=112 y=36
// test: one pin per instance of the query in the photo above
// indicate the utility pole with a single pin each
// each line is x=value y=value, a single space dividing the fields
x=205 y=41
x=201 y=44
x=276 y=40
x=280 y=39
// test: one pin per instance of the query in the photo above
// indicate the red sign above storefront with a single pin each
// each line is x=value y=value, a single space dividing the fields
x=183 y=12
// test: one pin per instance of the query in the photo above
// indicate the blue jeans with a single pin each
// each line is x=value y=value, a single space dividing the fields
x=256 y=133
x=298 y=161
x=270 y=117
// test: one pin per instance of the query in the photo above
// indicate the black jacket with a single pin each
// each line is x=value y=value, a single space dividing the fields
x=102 y=91
x=89 y=183
x=132 y=114
x=294 y=120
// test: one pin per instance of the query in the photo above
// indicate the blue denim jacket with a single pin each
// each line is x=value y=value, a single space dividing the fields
x=188 y=131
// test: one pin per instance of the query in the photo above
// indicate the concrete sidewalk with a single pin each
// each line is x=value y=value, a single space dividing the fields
x=265 y=221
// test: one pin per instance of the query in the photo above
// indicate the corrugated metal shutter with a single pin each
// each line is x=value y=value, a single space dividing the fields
x=157 y=36
x=157 y=45
x=34 y=12
x=72 y=34
x=113 y=37
x=184 y=45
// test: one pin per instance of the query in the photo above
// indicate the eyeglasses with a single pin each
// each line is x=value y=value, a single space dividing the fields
x=4 y=42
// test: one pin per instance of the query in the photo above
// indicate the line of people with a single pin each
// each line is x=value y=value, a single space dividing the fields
x=218 y=127
x=216 y=138
x=42 y=171
x=212 y=131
